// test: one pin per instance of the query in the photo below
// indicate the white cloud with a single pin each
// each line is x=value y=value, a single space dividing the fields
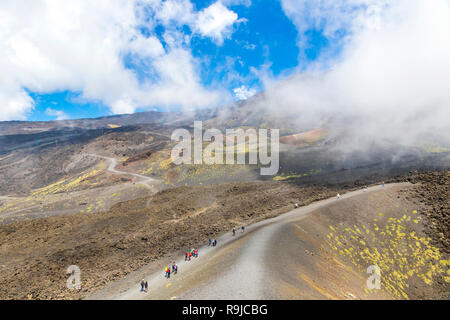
x=60 y=115
x=176 y=12
x=338 y=20
x=243 y=92
x=80 y=46
x=392 y=78
x=14 y=101
x=216 y=21
x=149 y=47
x=179 y=84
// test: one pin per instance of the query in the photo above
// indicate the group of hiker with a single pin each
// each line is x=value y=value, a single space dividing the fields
x=168 y=270
x=173 y=269
x=211 y=242
x=192 y=253
x=233 y=232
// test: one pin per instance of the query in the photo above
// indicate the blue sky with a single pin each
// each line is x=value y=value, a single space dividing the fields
x=265 y=40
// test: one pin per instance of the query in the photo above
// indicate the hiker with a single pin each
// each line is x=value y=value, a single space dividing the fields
x=142 y=284
x=383 y=184
x=234 y=232
x=214 y=242
x=243 y=229
x=338 y=196
x=296 y=205
x=146 y=285
x=167 y=273
x=185 y=256
x=209 y=242
x=189 y=256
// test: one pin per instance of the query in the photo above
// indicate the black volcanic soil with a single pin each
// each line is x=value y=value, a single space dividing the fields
x=35 y=160
x=433 y=190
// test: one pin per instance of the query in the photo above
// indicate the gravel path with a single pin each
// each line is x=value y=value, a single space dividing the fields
x=146 y=181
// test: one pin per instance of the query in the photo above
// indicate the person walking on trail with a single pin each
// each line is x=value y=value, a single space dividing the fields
x=189 y=256
x=167 y=272
x=173 y=267
x=338 y=196
x=243 y=229
x=142 y=284
x=214 y=243
x=296 y=205
x=233 y=231
x=209 y=242
x=146 y=285
x=185 y=256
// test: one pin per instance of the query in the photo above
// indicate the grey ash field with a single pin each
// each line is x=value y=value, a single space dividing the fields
x=103 y=194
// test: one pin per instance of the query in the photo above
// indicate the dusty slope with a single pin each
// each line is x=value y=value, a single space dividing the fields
x=330 y=250
x=69 y=195
x=35 y=254
x=32 y=161
x=287 y=257
x=106 y=246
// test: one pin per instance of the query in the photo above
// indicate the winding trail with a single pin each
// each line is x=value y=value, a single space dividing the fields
x=240 y=267
x=113 y=163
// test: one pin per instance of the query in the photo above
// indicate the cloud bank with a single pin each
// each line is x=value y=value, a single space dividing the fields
x=391 y=79
x=84 y=46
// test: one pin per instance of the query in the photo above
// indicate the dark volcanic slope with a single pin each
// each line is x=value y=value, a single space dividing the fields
x=27 y=127
x=35 y=160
